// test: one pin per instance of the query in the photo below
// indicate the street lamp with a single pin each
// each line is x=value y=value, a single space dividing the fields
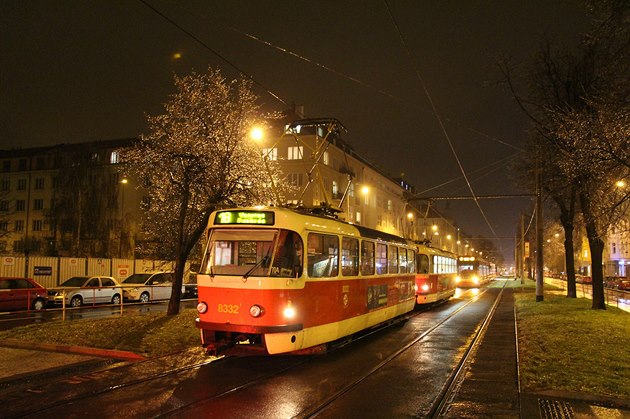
x=410 y=218
x=123 y=182
x=257 y=135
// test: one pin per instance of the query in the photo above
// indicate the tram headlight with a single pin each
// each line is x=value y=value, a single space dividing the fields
x=202 y=307
x=476 y=280
x=458 y=279
x=256 y=310
x=425 y=287
x=289 y=312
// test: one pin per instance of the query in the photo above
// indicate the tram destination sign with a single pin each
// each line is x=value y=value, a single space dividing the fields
x=245 y=217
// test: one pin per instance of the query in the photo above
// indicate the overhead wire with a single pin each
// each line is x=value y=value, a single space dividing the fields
x=338 y=73
x=206 y=46
x=439 y=119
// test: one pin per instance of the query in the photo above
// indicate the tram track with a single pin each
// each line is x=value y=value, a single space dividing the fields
x=258 y=380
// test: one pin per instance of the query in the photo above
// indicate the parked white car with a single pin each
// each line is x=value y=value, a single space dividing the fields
x=149 y=287
x=80 y=290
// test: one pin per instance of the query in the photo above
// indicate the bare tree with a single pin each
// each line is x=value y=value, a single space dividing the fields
x=197 y=158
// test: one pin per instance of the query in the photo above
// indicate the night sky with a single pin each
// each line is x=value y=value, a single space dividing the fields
x=75 y=71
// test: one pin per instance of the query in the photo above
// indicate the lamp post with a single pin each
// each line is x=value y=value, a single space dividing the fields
x=123 y=182
x=257 y=135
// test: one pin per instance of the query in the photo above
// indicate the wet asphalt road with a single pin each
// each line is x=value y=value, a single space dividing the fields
x=272 y=387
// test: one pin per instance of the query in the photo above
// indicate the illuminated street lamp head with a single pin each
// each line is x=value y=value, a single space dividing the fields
x=434 y=227
x=256 y=134
x=620 y=184
x=365 y=190
x=124 y=181
x=410 y=215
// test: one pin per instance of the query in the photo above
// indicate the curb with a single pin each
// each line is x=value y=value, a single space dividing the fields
x=72 y=349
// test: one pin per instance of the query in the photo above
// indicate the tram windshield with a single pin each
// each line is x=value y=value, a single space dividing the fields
x=253 y=252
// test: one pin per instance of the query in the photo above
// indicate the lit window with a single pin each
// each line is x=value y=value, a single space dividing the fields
x=335 y=188
x=115 y=157
x=325 y=158
x=295 y=153
x=270 y=153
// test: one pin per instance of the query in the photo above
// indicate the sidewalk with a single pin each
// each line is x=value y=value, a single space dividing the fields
x=491 y=387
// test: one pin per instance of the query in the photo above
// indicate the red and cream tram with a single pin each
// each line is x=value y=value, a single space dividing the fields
x=281 y=280
x=473 y=271
x=436 y=274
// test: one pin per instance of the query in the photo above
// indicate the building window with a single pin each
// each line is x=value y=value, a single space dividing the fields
x=4 y=225
x=6 y=185
x=38 y=204
x=335 y=189
x=114 y=157
x=55 y=182
x=19 y=225
x=21 y=184
x=325 y=158
x=3 y=246
x=20 y=205
x=6 y=166
x=18 y=246
x=22 y=165
x=40 y=163
x=295 y=153
x=4 y=206
x=38 y=225
x=270 y=153
x=614 y=248
x=358 y=217
x=295 y=179
x=39 y=183
x=389 y=205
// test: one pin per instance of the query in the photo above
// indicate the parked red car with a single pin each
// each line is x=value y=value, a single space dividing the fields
x=624 y=285
x=22 y=294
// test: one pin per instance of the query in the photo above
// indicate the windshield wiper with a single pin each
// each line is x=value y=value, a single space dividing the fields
x=257 y=265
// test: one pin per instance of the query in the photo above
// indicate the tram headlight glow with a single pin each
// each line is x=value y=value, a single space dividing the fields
x=256 y=310
x=289 y=312
x=425 y=287
x=476 y=280
x=202 y=307
x=458 y=279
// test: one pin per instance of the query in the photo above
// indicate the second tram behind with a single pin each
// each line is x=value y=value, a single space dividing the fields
x=279 y=280
x=473 y=271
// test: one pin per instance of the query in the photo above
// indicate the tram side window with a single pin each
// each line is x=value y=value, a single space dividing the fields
x=423 y=264
x=393 y=259
x=381 y=258
x=367 y=258
x=287 y=261
x=323 y=255
x=411 y=261
x=402 y=261
x=349 y=256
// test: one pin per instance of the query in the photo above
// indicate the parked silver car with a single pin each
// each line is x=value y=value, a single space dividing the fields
x=149 y=287
x=80 y=290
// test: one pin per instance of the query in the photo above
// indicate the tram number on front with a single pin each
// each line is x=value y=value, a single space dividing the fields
x=228 y=308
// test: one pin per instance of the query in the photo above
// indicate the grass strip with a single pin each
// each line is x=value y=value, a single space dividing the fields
x=566 y=345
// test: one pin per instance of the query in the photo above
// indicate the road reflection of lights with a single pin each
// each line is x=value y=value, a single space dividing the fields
x=475 y=291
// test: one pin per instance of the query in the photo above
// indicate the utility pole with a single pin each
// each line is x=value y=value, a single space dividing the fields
x=522 y=251
x=539 y=237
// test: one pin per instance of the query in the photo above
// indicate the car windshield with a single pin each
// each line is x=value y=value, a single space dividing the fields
x=75 y=281
x=137 y=279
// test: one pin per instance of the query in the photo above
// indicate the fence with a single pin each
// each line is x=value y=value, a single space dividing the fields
x=613 y=297
x=51 y=271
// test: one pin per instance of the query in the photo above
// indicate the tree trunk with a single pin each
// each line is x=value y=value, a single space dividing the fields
x=569 y=260
x=596 y=245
